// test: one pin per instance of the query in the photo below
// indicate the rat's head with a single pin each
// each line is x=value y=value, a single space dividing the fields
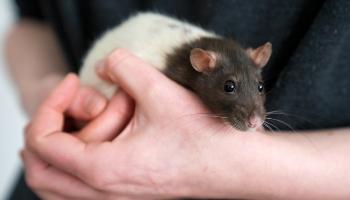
x=230 y=81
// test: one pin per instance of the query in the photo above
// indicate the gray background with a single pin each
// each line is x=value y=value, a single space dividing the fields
x=12 y=119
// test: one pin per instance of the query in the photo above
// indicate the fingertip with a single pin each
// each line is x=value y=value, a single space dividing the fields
x=112 y=120
x=115 y=60
x=69 y=83
x=95 y=104
x=63 y=94
x=71 y=78
x=72 y=75
x=87 y=104
x=117 y=56
x=105 y=69
x=102 y=72
x=100 y=67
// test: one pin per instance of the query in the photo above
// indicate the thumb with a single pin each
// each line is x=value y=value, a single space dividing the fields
x=133 y=75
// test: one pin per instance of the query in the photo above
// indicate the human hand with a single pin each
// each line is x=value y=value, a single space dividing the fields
x=166 y=150
x=86 y=104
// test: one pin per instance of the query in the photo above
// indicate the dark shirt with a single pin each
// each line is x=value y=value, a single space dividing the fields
x=307 y=77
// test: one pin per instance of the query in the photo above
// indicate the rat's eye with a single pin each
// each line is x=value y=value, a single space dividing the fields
x=230 y=86
x=261 y=87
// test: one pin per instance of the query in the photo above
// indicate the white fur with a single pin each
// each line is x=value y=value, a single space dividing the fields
x=149 y=36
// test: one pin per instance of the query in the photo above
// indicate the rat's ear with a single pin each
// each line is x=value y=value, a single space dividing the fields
x=202 y=60
x=261 y=55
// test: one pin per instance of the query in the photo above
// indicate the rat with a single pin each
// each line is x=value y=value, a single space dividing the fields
x=224 y=75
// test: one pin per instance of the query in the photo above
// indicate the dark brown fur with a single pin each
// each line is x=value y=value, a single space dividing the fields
x=233 y=63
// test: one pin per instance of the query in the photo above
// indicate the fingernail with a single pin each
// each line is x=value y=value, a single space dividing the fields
x=94 y=104
x=102 y=72
x=100 y=65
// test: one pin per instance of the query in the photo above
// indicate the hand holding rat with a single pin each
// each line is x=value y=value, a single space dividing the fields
x=167 y=150
x=159 y=149
x=86 y=105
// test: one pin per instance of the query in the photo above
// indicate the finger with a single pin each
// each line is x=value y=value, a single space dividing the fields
x=87 y=104
x=108 y=125
x=42 y=194
x=101 y=73
x=44 y=135
x=40 y=176
x=136 y=77
x=33 y=168
x=48 y=195
x=49 y=117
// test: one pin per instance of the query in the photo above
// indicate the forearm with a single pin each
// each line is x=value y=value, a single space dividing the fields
x=35 y=59
x=276 y=166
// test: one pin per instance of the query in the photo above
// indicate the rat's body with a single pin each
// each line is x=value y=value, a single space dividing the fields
x=200 y=60
x=149 y=36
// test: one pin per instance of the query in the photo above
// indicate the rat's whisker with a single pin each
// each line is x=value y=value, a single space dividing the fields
x=267 y=126
x=207 y=114
x=202 y=115
x=272 y=125
x=278 y=112
x=282 y=122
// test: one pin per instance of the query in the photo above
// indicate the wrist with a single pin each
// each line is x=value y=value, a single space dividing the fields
x=228 y=165
x=246 y=166
x=219 y=169
x=265 y=166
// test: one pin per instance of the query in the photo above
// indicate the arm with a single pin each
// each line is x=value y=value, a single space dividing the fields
x=37 y=65
x=161 y=153
x=312 y=165
x=36 y=61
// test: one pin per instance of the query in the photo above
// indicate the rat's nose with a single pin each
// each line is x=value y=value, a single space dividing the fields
x=254 y=122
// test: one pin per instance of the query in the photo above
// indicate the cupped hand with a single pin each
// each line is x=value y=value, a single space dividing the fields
x=85 y=105
x=161 y=152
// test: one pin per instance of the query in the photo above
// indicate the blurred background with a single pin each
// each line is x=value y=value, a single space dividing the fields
x=12 y=119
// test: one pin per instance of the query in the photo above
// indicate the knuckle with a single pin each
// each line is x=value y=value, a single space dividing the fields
x=28 y=132
x=27 y=128
x=32 y=180
x=30 y=139
x=100 y=180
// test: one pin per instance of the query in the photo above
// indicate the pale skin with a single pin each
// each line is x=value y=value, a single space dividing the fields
x=37 y=65
x=166 y=150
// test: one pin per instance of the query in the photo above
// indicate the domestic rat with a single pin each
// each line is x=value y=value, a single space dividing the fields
x=225 y=76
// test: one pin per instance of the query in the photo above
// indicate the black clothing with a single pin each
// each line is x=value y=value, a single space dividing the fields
x=308 y=74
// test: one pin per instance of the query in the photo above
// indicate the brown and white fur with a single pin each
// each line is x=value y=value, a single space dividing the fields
x=198 y=59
